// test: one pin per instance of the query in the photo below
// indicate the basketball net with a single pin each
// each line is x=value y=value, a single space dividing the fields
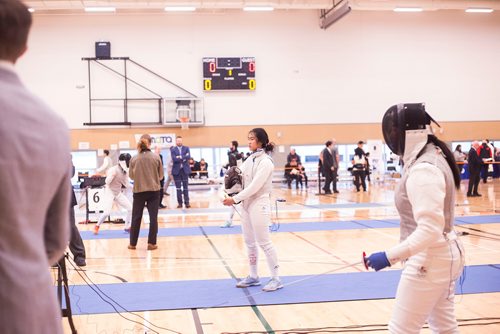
x=184 y=123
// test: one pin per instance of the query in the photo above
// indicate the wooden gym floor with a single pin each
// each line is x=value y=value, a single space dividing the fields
x=300 y=253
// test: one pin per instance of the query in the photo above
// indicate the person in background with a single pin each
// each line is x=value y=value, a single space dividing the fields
x=255 y=197
x=146 y=170
x=203 y=167
x=35 y=196
x=193 y=167
x=292 y=173
x=474 y=163
x=336 y=162
x=162 y=181
x=76 y=245
x=367 y=168
x=235 y=158
x=459 y=157
x=430 y=249
x=170 y=177
x=181 y=170
x=486 y=155
x=106 y=164
x=293 y=156
x=116 y=180
x=328 y=165
x=359 y=167
x=302 y=174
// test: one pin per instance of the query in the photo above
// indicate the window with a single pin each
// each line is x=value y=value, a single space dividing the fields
x=84 y=162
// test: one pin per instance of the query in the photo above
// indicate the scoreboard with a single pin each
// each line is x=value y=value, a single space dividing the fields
x=229 y=73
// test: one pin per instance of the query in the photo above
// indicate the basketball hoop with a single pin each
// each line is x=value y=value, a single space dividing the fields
x=184 y=123
x=183 y=113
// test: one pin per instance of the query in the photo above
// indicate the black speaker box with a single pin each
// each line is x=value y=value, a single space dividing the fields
x=102 y=50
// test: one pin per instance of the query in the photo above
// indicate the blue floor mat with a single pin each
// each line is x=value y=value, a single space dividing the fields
x=287 y=227
x=485 y=219
x=222 y=292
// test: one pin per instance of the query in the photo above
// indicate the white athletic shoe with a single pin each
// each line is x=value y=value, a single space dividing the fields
x=248 y=281
x=273 y=285
x=227 y=223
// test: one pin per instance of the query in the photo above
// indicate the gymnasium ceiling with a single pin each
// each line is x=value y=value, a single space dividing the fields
x=77 y=6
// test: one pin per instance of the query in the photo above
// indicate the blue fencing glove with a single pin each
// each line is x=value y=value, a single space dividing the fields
x=378 y=261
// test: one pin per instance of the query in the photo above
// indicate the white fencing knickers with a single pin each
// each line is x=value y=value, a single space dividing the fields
x=122 y=202
x=255 y=221
x=426 y=291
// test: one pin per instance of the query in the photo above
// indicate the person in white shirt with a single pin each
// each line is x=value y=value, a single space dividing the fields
x=459 y=157
x=257 y=171
x=106 y=164
x=116 y=180
x=432 y=254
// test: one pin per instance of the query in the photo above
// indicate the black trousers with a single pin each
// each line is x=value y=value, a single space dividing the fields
x=484 y=172
x=181 y=180
x=290 y=177
x=474 y=178
x=334 y=178
x=152 y=201
x=359 y=179
x=162 y=183
x=328 y=180
x=76 y=245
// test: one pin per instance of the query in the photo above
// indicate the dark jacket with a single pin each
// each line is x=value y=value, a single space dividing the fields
x=180 y=160
x=327 y=160
x=473 y=160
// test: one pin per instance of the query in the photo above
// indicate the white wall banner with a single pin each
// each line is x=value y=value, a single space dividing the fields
x=164 y=140
x=83 y=145
x=124 y=144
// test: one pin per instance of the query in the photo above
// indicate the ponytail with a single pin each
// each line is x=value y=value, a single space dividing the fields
x=144 y=143
x=269 y=147
x=449 y=158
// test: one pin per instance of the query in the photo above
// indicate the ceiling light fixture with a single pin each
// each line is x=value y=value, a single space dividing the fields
x=408 y=9
x=31 y=10
x=258 y=8
x=479 y=10
x=180 y=9
x=100 y=9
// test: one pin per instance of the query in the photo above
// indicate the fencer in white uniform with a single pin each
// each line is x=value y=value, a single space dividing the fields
x=255 y=198
x=432 y=254
x=116 y=179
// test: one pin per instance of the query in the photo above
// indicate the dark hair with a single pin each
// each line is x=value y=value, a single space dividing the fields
x=263 y=138
x=106 y=152
x=15 y=23
x=449 y=158
x=234 y=143
x=360 y=142
x=328 y=143
x=458 y=147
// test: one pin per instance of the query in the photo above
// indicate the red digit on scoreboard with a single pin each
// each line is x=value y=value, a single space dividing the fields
x=251 y=67
x=211 y=67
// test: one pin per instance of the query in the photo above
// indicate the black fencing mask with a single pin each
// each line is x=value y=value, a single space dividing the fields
x=400 y=118
x=233 y=181
x=124 y=160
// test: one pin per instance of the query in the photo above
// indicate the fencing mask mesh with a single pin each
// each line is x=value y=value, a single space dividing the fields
x=233 y=181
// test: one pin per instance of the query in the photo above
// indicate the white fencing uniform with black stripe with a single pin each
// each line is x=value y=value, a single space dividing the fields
x=257 y=173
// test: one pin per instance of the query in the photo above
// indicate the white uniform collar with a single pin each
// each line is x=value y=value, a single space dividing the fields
x=7 y=65
x=415 y=141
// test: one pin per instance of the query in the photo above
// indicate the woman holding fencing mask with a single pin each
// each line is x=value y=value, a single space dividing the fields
x=257 y=172
x=432 y=254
